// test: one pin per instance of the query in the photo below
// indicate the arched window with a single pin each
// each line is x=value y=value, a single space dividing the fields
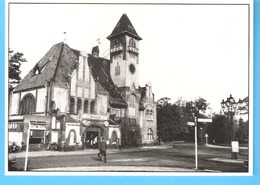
x=92 y=106
x=132 y=100
x=72 y=104
x=150 y=134
x=149 y=114
x=79 y=106
x=115 y=43
x=72 y=136
x=132 y=43
x=114 y=136
x=86 y=106
x=27 y=104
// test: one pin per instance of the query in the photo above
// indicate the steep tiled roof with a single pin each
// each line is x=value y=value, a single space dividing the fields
x=100 y=72
x=124 y=25
x=57 y=63
x=60 y=61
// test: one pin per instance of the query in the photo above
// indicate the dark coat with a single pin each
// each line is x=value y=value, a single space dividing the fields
x=103 y=145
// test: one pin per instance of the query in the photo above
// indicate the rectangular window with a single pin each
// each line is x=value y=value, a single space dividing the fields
x=118 y=113
x=92 y=107
x=117 y=69
x=113 y=111
x=149 y=115
x=122 y=114
x=15 y=127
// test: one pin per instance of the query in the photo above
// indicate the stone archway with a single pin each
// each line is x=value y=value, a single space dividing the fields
x=92 y=136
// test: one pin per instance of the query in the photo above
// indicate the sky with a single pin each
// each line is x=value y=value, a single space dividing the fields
x=188 y=50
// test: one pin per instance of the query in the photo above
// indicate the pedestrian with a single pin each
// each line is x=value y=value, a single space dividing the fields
x=103 y=149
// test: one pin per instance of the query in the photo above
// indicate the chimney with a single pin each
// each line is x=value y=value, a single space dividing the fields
x=95 y=51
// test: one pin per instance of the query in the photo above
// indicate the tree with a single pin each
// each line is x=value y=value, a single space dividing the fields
x=172 y=118
x=170 y=123
x=219 y=129
x=200 y=105
x=15 y=62
x=242 y=131
x=163 y=102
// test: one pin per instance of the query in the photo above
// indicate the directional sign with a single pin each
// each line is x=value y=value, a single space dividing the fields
x=191 y=123
x=204 y=120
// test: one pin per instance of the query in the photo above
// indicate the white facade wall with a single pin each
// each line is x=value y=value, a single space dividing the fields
x=73 y=84
x=111 y=129
x=86 y=71
x=132 y=59
x=102 y=103
x=80 y=75
x=132 y=112
x=132 y=78
x=73 y=126
x=60 y=96
x=15 y=103
x=80 y=91
x=15 y=137
x=77 y=89
x=41 y=100
x=86 y=93
x=119 y=80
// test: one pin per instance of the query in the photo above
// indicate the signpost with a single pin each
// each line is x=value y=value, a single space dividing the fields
x=204 y=120
x=195 y=123
x=27 y=148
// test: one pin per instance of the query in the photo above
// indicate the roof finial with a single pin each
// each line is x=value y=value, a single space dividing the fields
x=64 y=37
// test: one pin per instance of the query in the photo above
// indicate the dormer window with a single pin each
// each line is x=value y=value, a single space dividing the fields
x=36 y=70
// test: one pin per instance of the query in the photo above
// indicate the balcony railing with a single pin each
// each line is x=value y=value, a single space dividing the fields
x=132 y=49
x=116 y=48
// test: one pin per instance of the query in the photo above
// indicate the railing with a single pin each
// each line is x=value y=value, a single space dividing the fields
x=132 y=49
x=117 y=48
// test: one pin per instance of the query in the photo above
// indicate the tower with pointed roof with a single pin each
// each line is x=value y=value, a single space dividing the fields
x=124 y=54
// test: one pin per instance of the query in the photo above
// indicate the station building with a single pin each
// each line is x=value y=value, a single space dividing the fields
x=72 y=97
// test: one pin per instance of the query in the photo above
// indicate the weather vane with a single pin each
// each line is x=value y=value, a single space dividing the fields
x=98 y=41
x=64 y=37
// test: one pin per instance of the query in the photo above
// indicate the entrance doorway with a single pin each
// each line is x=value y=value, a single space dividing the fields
x=92 y=136
x=92 y=139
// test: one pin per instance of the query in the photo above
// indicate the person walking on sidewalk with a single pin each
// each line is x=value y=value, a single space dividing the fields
x=103 y=149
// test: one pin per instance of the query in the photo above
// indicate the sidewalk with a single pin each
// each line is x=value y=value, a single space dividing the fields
x=218 y=146
x=238 y=161
x=115 y=169
x=45 y=153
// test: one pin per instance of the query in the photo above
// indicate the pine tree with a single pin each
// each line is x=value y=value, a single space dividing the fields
x=15 y=62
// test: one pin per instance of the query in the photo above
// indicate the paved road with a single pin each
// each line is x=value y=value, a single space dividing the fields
x=166 y=158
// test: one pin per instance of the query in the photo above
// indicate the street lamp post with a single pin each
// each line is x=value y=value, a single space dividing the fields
x=229 y=108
